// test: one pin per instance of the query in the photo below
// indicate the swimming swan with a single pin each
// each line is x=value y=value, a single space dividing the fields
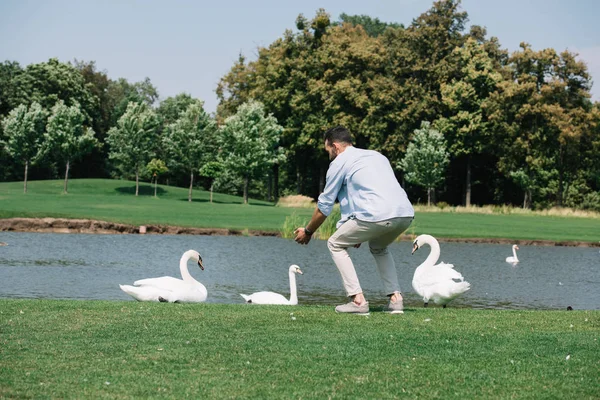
x=514 y=258
x=440 y=283
x=276 y=298
x=169 y=289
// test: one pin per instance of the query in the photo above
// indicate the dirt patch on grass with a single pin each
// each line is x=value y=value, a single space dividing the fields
x=63 y=225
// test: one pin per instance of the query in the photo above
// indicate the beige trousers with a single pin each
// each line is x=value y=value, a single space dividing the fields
x=379 y=235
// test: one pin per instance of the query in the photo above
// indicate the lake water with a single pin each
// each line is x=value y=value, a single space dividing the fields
x=80 y=266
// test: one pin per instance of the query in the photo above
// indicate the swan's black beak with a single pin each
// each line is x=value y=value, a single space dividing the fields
x=415 y=247
x=200 y=263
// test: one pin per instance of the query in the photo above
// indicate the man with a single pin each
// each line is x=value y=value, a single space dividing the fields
x=374 y=208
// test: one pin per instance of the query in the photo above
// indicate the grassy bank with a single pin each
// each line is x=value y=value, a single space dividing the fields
x=94 y=349
x=113 y=200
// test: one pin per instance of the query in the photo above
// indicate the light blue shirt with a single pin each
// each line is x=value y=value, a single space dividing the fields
x=365 y=185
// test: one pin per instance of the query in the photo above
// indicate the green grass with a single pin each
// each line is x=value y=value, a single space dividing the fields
x=113 y=200
x=102 y=349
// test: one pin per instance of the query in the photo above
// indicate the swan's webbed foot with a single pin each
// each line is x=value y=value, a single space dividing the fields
x=444 y=306
x=162 y=299
x=425 y=305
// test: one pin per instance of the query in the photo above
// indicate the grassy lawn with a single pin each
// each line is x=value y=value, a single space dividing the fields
x=101 y=349
x=113 y=200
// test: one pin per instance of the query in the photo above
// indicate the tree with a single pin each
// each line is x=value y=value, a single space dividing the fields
x=132 y=140
x=373 y=26
x=467 y=126
x=171 y=108
x=248 y=142
x=211 y=170
x=155 y=168
x=426 y=159
x=190 y=141
x=120 y=93
x=67 y=137
x=49 y=82
x=25 y=131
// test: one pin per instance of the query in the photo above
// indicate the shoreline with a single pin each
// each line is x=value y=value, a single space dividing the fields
x=64 y=225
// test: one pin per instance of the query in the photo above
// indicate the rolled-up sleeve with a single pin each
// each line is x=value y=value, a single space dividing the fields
x=335 y=179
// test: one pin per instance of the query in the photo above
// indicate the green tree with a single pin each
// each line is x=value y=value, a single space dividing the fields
x=24 y=129
x=426 y=159
x=373 y=26
x=49 y=82
x=132 y=140
x=191 y=141
x=155 y=168
x=211 y=170
x=249 y=141
x=67 y=138
x=120 y=93
x=9 y=90
x=171 y=108
x=466 y=127
x=544 y=111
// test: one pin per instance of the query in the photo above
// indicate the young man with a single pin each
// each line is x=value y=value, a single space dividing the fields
x=375 y=209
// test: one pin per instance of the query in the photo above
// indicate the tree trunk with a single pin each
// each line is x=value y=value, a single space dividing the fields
x=429 y=191
x=275 y=182
x=191 y=185
x=155 y=182
x=246 y=183
x=66 y=177
x=322 y=178
x=298 y=181
x=527 y=199
x=25 y=181
x=559 y=197
x=137 y=182
x=468 y=183
x=269 y=187
x=211 y=190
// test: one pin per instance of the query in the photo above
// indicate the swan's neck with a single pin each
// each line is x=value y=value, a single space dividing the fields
x=183 y=267
x=434 y=254
x=515 y=253
x=293 y=293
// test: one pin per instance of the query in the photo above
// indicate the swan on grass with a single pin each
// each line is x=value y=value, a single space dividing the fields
x=514 y=258
x=440 y=283
x=169 y=289
x=276 y=298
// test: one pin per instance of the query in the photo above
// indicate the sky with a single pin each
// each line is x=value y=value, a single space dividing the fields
x=188 y=45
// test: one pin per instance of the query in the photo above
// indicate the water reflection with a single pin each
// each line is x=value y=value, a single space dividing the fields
x=80 y=266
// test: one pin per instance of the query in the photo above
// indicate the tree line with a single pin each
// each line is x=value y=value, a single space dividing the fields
x=461 y=120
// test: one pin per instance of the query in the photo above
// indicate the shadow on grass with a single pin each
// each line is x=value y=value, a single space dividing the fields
x=144 y=190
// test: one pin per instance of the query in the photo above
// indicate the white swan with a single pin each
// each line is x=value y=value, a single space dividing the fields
x=169 y=289
x=276 y=298
x=440 y=283
x=514 y=258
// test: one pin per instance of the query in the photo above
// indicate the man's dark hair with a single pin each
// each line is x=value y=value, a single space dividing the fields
x=338 y=134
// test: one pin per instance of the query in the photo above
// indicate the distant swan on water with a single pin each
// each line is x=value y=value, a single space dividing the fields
x=440 y=283
x=514 y=258
x=276 y=298
x=169 y=289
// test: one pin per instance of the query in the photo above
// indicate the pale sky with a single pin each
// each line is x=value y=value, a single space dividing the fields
x=188 y=45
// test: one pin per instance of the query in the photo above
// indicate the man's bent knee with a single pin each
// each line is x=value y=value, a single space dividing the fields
x=378 y=252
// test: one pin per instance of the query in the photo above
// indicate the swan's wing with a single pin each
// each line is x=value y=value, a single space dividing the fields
x=268 y=298
x=447 y=271
x=164 y=282
x=145 y=293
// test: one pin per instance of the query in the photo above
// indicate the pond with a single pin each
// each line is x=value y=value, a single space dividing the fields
x=82 y=266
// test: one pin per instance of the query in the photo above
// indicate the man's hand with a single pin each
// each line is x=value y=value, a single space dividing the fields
x=301 y=236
